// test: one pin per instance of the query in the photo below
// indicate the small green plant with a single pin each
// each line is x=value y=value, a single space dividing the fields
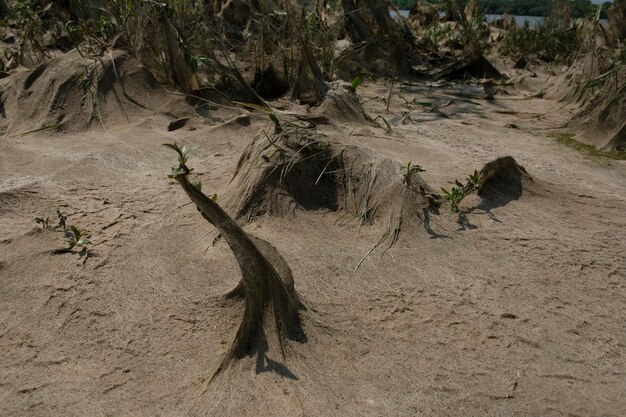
x=457 y=193
x=77 y=237
x=356 y=82
x=183 y=155
x=182 y=169
x=195 y=61
x=74 y=237
x=84 y=81
x=409 y=169
x=277 y=127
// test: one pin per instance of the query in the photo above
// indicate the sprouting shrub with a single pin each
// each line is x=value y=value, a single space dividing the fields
x=356 y=82
x=409 y=169
x=183 y=155
x=77 y=237
x=182 y=169
x=74 y=236
x=459 y=191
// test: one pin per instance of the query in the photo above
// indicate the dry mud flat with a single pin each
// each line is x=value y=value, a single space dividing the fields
x=515 y=309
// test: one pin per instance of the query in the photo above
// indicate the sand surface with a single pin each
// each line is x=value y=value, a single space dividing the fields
x=520 y=310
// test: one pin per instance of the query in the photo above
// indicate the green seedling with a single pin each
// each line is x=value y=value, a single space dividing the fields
x=83 y=81
x=195 y=61
x=277 y=127
x=410 y=169
x=356 y=82
x=74 y=237
x=457 y=193
x=183 y=156
x=77 y=237
x=182 y=169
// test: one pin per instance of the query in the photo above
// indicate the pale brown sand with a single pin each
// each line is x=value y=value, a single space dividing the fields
x=522 y=315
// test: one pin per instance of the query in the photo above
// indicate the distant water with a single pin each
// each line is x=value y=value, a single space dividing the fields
x=520 y=20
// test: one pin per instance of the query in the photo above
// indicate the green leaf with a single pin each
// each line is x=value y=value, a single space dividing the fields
x=197 y=185
x=177 y=172
x=171 y=146
x=214 y=198
x=274 y=119
x=77 y=233
x=203 y=58
x=174 y=146
x=356 y=81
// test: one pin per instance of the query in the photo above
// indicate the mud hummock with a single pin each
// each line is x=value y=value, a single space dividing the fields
x=341 y=104
x=601 y=120
x=505 y=179
x=300 y=169
x=73 y=93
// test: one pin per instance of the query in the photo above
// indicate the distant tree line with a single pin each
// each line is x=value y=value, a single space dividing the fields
x=579 y=8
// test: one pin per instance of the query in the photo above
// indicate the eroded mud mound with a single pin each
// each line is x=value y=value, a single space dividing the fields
x=278 y=173
x=505 y=180
x=299 y=168
x=470 y=64
x=73 y=93
x=342 y=104
x=602 y=121
x=566 y=85
x=596 y=85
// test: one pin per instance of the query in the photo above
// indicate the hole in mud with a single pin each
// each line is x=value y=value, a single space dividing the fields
x=269 y=84
x=301 y=184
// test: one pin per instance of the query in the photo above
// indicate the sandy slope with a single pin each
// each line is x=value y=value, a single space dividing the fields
x=520 y=314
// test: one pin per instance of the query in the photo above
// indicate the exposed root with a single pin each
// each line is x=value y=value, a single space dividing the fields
x=271 y=302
